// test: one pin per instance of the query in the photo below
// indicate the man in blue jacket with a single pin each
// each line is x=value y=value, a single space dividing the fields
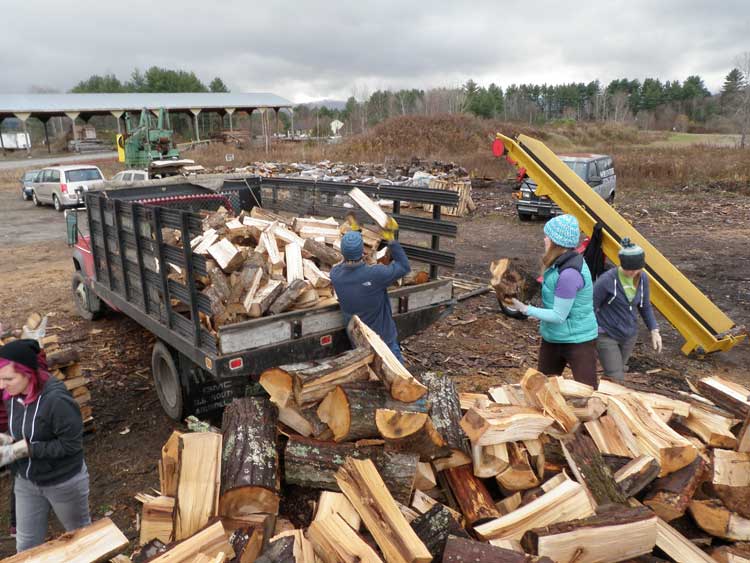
x=362 y=289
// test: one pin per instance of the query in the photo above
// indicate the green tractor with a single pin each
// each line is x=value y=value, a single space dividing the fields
x=151 y=145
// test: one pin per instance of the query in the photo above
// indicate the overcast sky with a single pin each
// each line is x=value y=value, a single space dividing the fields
x=313 y=49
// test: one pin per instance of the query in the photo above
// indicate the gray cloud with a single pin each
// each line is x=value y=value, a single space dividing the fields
x=315 y=49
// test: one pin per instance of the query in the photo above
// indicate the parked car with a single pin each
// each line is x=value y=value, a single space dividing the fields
x=57 y=185
x=128 y=176
x=597 y=170
x=27 y=181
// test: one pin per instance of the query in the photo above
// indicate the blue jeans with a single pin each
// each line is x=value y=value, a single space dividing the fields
x=69 y=500
x=396 y=349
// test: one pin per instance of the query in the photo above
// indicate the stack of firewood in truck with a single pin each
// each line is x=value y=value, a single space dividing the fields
x=411 y=470
x=63 y=362
x=262 y=263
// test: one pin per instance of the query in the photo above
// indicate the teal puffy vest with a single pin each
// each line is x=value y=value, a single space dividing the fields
x=580 y=326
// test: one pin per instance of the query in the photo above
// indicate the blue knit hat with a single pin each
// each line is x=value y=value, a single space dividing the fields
x=563 y=231
x=351 y=245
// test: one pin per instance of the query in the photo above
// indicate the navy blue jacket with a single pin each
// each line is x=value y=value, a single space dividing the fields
x=362 y=291
x=617 y=317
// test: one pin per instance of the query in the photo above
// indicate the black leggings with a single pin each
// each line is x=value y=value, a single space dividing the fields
x=580 y=357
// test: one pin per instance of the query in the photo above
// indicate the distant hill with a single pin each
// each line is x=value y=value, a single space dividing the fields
x=330 y=104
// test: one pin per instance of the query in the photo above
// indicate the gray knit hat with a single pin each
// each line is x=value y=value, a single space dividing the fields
x=632 y=256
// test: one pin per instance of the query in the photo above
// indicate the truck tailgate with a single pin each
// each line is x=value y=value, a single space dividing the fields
x=266 y=331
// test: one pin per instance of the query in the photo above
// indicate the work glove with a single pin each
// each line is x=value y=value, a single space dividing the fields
x=389 y=232
x=5 y=439
x=12 y=452
x=354 y=225
x=656 y=340
x=518 y=306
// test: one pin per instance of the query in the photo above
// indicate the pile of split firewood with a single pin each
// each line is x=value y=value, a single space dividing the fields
x=63 y=362
x=262 y=263
x=545 y=470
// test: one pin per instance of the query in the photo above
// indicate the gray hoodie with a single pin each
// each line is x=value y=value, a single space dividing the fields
x=617 y=317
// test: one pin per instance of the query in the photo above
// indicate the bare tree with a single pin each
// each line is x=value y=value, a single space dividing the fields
x=740 y=104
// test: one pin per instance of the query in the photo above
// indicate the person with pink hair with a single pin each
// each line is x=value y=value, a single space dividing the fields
x=44 y=444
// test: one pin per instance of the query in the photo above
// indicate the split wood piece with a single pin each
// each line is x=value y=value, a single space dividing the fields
x=324 y=235
x=250 y=280
x=456 y=459
x=670 y=496
x=509 y=394
x=731 y=480
x=168 y=465
x=218 y=308
x=96 y=542
x=743 y=437
x=587 y=409
x=544 y=395
x=509 y=504
x=637 y=475
x=401 y=384
x=519 y=474
x=547 y=486
x=299 y=222
x=75 y=383
x=730 y=554
x=613 y=534
x=277 y=382
x=490 y=461
x=326 y=255
x=462 y=550
x=372 y=209
x=313 y=380
x=502 y=423
x=468 y=400
x=652 y=435
x=317 y=278
x=360 y=481
x=227 y=256
x=304 y=422
x=156 y=518
x=219 y=282
x=423 y=503
x=286 y=236
x=247 y=543
x=435 y=526
x=609 y=439
x=589 y=468
x=472 y=496
x=250 y=471
x=280 y=550
x=307 y=299
x=331 y=503
x=198 y=482
x=726 y=394
x=313 y=463
x=713 y=429
x=425 y=479
x=335 y=541
x=409 y=513
x=216 y=219
x=572 y=389
x=512 y=545
x=445 y=411
x=302 y=549
x=294 y=271
x=63 y=358
x=262 y=214
x=406 y=431
x=713 y=517
x=509 y=283
x=264 y=297
x=287 y=297
x=654 y=400
x=267 y=245
x=567 y=501
x=677 y=546
x=208 y=240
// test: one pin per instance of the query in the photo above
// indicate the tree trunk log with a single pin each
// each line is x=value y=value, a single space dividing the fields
x=325 y=254
x=410 y=432
x=472 y=496
x=312 y=463
x=250 y=469
x=445 y=411
x=435 y=526
x=461 y=550
x=288 y=297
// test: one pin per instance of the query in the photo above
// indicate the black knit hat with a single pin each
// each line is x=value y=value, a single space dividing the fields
x=24 y=352
x=632 y=256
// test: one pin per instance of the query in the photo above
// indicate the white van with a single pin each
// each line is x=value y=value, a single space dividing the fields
x=57 y=185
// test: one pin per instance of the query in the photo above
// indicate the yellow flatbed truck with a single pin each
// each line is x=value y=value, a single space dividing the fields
x=704 y=326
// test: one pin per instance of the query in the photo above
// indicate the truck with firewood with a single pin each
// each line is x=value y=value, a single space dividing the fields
x=229 y=273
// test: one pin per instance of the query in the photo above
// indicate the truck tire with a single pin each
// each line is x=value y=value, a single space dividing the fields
x=88 y=305
x=36 y=199
x=167 y=381
x=524 y=216
x=57 y=205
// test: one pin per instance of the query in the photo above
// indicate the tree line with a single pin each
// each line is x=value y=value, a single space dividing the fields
x=154 y=79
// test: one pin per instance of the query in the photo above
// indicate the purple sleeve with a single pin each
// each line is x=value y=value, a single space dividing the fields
x=568 y=284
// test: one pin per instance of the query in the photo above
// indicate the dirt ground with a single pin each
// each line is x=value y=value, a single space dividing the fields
x=702 y=230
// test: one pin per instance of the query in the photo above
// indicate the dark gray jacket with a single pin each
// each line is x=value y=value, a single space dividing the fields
x=617 y=317
x=53 y=428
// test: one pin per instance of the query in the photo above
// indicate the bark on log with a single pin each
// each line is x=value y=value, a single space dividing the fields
x=279 y=551
x=288 y=297
x=723 y=394
x=250 y=469
x=434 y=527
x=62 y=358
x=713 y=517
x=349 y=409
x=472 y=496
x=636 y=475
x=261 y=301
x=590 y=470
x=508 y=282
x=312 y=463
x=445 y=411
x=325 y=254
x=670 y=496
x=405 y=431
x=461 y=550
x=731 y=480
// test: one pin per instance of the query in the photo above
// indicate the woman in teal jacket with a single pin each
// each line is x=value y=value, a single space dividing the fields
x=568 y=323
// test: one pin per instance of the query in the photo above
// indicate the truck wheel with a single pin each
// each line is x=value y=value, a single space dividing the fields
x=88 y=305
x=524 y=216
x=611 y=198
x=167 y=381
x=36 y=200
x=56 y=202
